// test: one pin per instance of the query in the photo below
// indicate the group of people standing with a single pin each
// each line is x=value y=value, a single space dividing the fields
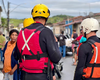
x=87 y=54
x=30 y=54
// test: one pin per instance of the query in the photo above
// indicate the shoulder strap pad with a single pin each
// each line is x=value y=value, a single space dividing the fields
x=41 y=26
x=90 y=41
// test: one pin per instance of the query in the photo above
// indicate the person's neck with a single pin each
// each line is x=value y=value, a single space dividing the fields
x=42 y=21
x=90 y=34
x=12 y=42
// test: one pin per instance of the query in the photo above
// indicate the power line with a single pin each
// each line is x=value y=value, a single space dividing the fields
x=20 y=5
x=4 y=6
x=20 y=12
x=8 y=16
x=15 y=8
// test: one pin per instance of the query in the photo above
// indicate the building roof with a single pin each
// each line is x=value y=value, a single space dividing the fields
x=96 y=14
x=60 y=23
x=0 y=9
x=75 y=20
x=79 y=19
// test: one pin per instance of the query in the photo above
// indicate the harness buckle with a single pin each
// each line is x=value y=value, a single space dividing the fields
x=45 y=70
x=24 y=57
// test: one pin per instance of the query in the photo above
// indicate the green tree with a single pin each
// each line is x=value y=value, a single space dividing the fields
x=3 y=22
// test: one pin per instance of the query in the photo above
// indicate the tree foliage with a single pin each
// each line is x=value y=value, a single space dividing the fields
x=3 y=22
x=58 y=18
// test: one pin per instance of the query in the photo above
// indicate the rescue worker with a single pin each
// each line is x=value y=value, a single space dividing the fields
x=36 y=47
x=27 y=22
x=88 y=67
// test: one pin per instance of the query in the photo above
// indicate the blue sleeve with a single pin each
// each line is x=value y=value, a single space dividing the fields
x=17 y=54
x=4 y=49
x=15 y=61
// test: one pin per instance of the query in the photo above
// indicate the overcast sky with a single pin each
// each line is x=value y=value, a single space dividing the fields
x=57 y=7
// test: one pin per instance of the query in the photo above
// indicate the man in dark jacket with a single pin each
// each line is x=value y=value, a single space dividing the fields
x=61 y=40
x=47 y=44
x=85 y=70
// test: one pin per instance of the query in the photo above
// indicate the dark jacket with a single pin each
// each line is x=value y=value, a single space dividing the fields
x=13 y=62
x=84 y=56
x=48 y=45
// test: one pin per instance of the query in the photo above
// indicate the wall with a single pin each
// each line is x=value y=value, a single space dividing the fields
x=56 y=30
x=77 y=27
x=69 y=29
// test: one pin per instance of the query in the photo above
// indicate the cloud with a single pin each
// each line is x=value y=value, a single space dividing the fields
x=95 y=5
x=68 y=7
x=73 y=7
x=58 y=11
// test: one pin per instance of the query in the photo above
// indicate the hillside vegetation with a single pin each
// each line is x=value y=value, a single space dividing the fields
x=58 y=18
x=54 y=19
x=16 y=22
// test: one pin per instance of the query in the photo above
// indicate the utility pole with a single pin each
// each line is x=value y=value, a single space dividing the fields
x=8 y=17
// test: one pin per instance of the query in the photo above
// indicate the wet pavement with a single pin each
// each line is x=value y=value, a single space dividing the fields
x=1 y=66
x=67 y=73
x=68 y=69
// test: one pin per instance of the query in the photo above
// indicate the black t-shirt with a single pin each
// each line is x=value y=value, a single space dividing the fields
x=75 y=35
x=62 y=40
x=84 y=56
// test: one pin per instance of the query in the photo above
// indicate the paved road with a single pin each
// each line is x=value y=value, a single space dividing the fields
x=67 y=73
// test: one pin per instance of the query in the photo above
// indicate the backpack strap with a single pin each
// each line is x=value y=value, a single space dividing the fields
x=39 y=28
x=38 y=56
x=91 y=42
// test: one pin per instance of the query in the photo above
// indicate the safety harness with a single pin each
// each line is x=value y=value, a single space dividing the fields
x=92 y=69
x=40 y=59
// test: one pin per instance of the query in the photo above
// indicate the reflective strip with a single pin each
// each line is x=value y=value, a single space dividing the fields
x=26 y=41
x=96 y=55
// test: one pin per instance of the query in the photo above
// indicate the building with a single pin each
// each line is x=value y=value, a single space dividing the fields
x=74 y=23
x=20 y=26
x=58 y=27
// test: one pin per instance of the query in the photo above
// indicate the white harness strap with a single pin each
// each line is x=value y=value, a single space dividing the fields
x=96 y=57
x=26 y=41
